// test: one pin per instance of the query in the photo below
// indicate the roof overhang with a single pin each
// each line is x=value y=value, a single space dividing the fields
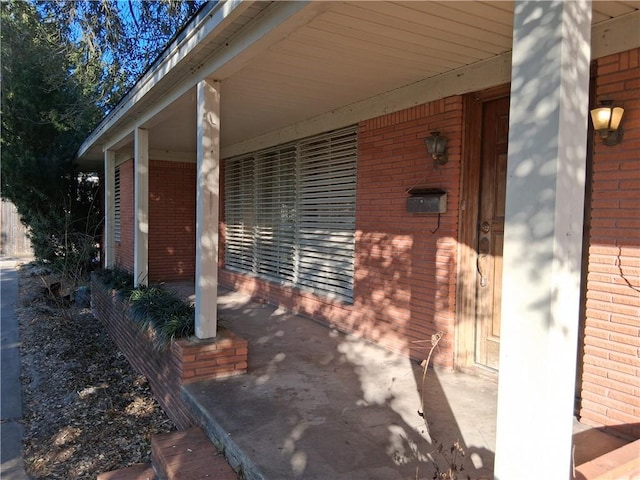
x=293 y=68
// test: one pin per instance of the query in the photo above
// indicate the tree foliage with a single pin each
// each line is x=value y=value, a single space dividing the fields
x=64 y=65
x=45 y=115
x=115 y=41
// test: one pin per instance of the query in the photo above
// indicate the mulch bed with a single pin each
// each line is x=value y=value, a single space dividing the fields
x=86 y=411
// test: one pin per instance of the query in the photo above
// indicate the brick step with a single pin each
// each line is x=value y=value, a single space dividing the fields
x=189 y=455
x=620 y=464
x=140 y=471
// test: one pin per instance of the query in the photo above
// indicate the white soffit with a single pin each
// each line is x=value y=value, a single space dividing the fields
x=299 y=67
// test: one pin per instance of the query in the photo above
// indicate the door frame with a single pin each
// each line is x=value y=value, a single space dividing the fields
x=465 y=329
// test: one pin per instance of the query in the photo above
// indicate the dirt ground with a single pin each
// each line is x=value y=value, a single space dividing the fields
x=86 y=411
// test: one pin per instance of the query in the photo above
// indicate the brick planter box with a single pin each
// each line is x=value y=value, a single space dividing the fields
x=185 y=361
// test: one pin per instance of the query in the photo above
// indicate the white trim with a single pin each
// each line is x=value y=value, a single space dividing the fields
x=609 y=37
x=207 y=205
x=123 y=157
x=615 y=35
x=141 y=208
x=480 y=75
x=612 y=36
x=163 y=155
x=220 y=16
x=185 y=157
x=273 y=26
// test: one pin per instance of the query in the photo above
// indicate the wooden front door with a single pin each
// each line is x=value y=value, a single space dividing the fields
x=491 y=205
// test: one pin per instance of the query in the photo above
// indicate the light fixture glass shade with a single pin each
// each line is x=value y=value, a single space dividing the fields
x=606 y=121
x=616 y=117
x=436 y=145
x=437 y=148
x=606 y=118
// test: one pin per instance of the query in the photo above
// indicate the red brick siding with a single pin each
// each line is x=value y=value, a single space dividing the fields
x=405 y=280
x=172 y=220
x=611 y=379
x=124 y=248
x=405 y=274
x=163 y=374
x=185 y=361
x=225 y=356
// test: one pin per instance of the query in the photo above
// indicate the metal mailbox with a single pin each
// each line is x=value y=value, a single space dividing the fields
x=427 y=200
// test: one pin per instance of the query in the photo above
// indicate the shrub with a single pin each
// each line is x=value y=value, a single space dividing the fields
x=154 y=309
x=114 y=279
x=161 y=312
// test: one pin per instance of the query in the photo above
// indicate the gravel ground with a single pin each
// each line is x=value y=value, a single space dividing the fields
x=86 y=411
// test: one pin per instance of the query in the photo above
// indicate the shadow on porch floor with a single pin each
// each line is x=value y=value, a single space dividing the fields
x=319 y=404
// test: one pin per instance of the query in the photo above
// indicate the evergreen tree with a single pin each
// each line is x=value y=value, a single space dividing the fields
x=46 y=114
x=64 y=65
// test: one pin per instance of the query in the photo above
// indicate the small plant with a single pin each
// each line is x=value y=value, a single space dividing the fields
x=153 y=309
x=161 y=312
x=453 y=457
x=453 y=462
x=114 y=279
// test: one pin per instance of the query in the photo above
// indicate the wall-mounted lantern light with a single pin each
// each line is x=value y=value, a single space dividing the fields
x=437 y=148
x=606 y=121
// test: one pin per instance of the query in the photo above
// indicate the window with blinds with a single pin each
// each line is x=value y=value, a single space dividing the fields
x=116 y=206
x=290 y=213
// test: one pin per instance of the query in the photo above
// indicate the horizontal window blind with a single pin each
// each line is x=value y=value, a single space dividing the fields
x=326 y=217
x=290 y=213
x=239 y=213
x=116 y=206
x=275 y=213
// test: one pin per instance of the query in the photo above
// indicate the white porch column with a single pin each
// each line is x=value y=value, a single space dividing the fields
x=109 y=206
x=141 y=208
x=543 y=238
x=208 y=200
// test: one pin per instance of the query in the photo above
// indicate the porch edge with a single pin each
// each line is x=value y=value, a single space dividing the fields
x=236 y=457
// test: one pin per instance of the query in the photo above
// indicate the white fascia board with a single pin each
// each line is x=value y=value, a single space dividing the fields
x=276 y=24
x=616 y=35
x=172 y=156
x=162 y=155
x=216 y=20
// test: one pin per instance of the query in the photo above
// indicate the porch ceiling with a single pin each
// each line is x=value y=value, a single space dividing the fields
x=322 y=57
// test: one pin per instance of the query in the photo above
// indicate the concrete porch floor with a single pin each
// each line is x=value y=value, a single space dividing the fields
x=319 y=404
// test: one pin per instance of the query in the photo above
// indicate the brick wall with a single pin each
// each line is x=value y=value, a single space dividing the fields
x=405 y=263
x=172 y=220
x=404 y=286
x=186 y=361
x=611 y=378
x=124 y=248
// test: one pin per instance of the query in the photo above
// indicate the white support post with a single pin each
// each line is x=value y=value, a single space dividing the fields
x=141 y=208
x=108 y=239
x=207 y=203
x=543 y=238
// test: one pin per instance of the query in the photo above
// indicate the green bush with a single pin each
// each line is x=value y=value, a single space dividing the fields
x=161 y=312
x=153 y=309
x=114 y=279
